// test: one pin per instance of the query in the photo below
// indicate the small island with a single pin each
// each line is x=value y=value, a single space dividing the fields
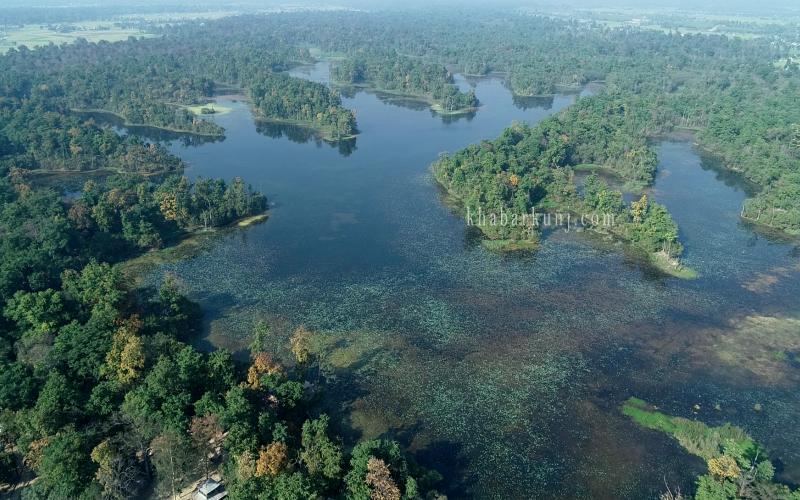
x=281 y=98
x=392 y=73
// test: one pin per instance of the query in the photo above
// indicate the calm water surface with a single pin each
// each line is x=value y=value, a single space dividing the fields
x=504 y=373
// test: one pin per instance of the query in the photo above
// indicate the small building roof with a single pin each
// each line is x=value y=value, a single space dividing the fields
x=208 y=486
x=210 y=490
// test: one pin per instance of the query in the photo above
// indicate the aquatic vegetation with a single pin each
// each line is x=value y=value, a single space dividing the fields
x=695 y=436
x=469 y=357
x=751 y=345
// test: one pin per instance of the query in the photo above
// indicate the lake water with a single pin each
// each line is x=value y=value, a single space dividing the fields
x=505 y=373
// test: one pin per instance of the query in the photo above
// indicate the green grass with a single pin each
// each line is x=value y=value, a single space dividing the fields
x=672 y=267
x=589 y=167
x=438 y=108
x=695 y=436
x=639 y=411
x=628 y=185
x=322 y=55
x=255 y=219
x=36 y=36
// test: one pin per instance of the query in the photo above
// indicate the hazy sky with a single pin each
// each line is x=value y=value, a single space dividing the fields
x=760 y=7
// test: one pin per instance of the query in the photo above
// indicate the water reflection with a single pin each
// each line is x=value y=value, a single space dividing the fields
x=727 y=176
x=302 y=135
x=523 y=102
x=320 y=73
x=151 y=134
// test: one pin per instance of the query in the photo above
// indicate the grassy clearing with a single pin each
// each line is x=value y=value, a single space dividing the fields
x=249 y=221
x=209 y=109
x=642 y=413
x=322 y=55
x=33 y=36
x=672 y=267
x=695 y=436
x=164 y=17
x=612 y=177
x=445 y=112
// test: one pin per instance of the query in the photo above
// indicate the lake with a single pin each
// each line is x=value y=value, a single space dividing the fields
x=505 y=373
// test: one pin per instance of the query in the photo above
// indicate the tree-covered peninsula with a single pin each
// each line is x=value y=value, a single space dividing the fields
x=738 y=466
x=530 y=170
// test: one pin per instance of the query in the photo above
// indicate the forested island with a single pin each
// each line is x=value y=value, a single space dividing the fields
x=281 y=98
x=391 y=72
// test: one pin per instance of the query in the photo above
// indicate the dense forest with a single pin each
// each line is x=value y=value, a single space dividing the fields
x=34 y=135
x=101 y=395
x=736 y=95
x=408 y=76
x=153 y=81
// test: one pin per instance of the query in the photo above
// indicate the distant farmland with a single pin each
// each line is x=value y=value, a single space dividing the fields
x=35 y=36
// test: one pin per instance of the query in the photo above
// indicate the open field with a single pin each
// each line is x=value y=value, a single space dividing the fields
x=666 y=20
x=33 y=36
x=163 y=17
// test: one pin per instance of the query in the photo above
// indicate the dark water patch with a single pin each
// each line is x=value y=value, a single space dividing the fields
x=543 y=102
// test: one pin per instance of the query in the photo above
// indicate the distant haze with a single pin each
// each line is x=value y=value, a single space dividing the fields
x=763 y=7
